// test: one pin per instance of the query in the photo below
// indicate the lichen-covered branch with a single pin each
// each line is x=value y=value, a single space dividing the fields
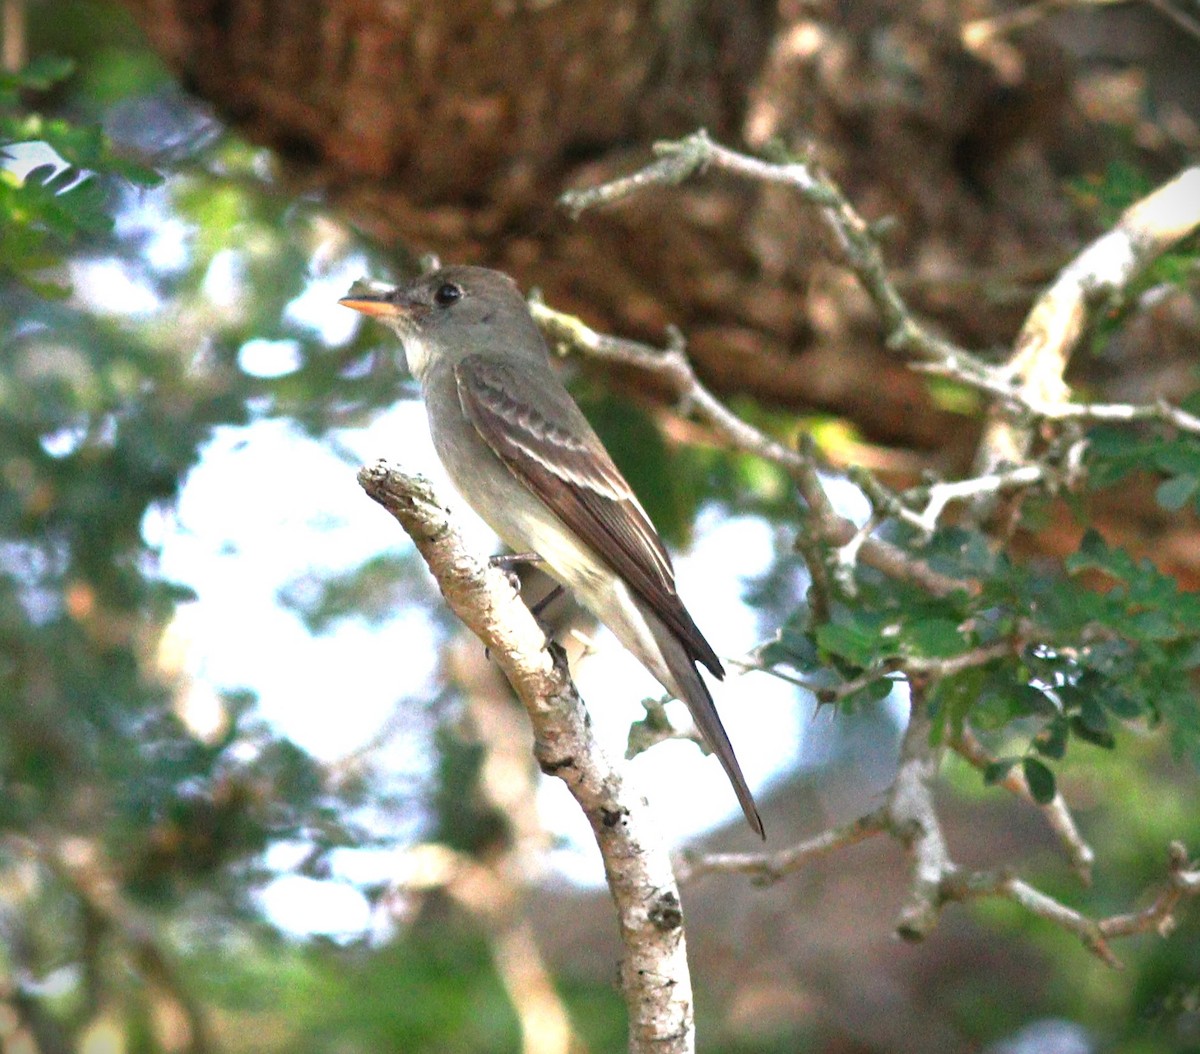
x=1100 y=275
x=654 y=971
x=935 y=880
x=913 y=818
x=1029 y=391
x=680 y=159
x=1032 y=380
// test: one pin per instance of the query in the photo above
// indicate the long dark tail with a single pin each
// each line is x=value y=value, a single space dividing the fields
x=694 y=692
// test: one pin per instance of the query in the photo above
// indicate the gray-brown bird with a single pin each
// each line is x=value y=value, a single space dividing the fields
x=522 y=454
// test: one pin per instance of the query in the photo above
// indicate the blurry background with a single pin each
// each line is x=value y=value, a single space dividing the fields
x=257 y=791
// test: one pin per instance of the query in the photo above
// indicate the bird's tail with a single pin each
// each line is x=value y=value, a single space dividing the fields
x=690 y=687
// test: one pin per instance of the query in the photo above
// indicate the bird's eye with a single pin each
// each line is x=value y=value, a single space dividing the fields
x=447 y=294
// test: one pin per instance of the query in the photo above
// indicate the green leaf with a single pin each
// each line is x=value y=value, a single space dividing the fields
x=1026 y=700
x=45 y=71
x=795 y=646
x=1174 y=494
x=856 y=636
x=1100 y=738
x=1092 y=715
x=934 y=638
x=954 y=697
x=1051 y=741
x=996 y=770
x=1040 y=780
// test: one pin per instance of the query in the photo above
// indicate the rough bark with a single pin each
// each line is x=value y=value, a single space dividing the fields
x=453 y=127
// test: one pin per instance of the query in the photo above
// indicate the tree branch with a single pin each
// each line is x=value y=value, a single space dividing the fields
x=910 y=816
x=765 y=868
x=678 y=160
x=1056 y=811
x=1031 y=382
x=1031 y=389
x=76 y=863
x=1100 y=274
x=672 y=365
x=1183 y=881
x=654 y=971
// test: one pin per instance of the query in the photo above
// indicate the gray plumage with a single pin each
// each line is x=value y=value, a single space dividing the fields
x=522 y=454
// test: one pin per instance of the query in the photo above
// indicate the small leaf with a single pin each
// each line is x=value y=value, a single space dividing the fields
x=855 y=637
x=1030 y=700
x=1051 y=741
x=1092 y=715
x=45 y=71
x=1040 y=780
x=1174 y=494
x=996 y=770
x=934 y=638
x=1097 y=737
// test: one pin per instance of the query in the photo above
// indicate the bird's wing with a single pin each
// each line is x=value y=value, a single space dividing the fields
x=567 y=467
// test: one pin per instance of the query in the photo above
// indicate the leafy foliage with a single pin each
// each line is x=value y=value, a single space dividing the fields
x=1103 y=640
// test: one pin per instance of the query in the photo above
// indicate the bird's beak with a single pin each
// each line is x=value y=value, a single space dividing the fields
x=375 y=306
x=373 y=299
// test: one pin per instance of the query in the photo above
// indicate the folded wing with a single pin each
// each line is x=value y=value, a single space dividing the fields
x=567 y=467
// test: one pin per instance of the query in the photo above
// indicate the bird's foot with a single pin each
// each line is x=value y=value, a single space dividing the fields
x=537 y=609
x=507 y=561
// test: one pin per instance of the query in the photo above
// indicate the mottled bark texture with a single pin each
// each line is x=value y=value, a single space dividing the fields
x=451 y=128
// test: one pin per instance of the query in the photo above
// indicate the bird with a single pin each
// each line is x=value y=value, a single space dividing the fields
x=522 y=454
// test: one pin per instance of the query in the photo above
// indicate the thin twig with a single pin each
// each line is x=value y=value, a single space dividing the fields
x=770 y=867
x=1183 y=881
x=678 y=160
x=1058 y=814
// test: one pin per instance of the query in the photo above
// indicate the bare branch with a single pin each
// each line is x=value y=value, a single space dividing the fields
x=1032 y=380
x=654 y=969
x=770 y=867
x=680 y=159
x=1183 y=881
x=1101 y=274
x=914 y=820
x=941 y=495
x=910 y=816
x=672 y=366
x=987 y=884
x=1056 y=811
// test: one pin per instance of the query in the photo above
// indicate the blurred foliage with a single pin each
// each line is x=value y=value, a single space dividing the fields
x=134 y=846
x=108 y=395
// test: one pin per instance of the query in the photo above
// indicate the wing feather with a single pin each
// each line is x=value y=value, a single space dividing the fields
x=566 y=466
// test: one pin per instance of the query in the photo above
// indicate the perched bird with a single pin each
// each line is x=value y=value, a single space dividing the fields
x=522 y=454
